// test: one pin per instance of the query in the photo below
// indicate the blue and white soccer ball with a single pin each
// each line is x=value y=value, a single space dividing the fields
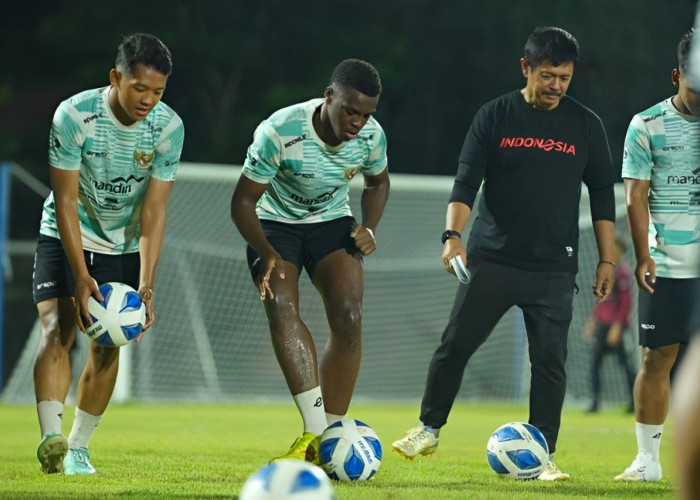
x=288 y=480
x=350 y=451
x=517 y=450
x=119 y=318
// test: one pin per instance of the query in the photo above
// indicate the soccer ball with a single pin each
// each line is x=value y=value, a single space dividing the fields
x=517 y=450
x=350 y=451
x=288 y=479
x=119 y=318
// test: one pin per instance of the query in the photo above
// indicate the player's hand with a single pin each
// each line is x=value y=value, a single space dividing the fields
x=271 y=263
x=452 y=248
x=364 y=239
x=146 y=294
x=646 y=273
x=84 y=288
x=604 y=280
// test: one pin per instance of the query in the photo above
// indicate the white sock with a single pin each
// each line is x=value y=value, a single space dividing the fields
x=649 y=439
x=84 y=426
x=50 y=414
x=310 y=405
x=332 y=418
x=435 y=431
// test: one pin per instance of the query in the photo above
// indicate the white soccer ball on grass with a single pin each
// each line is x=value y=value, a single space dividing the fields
x=288 y=480
x=517 y=450
x=350 y=451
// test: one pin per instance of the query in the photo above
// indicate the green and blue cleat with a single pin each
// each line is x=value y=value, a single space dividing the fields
x=77 y=462
x=51 y=452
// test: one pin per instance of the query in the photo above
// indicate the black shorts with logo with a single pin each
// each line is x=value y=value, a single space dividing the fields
x=669 y=315
x=305 y=245
x=53 y=276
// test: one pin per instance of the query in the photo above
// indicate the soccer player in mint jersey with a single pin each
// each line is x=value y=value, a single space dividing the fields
x=291 y=206
x=113 y=153
x=532 y=148
x=661 y=171
x=686 y=391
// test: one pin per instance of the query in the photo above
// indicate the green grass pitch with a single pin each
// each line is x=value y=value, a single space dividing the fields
x=208 y=451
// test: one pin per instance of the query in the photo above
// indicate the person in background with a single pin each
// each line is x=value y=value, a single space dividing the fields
x=113 y=154
x=607 y=324
x=532 y=149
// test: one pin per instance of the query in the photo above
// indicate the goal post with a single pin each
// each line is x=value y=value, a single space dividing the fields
x=4 y=222
x=211 y=341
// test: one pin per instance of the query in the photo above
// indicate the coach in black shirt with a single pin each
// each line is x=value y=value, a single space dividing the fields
x=531 y=149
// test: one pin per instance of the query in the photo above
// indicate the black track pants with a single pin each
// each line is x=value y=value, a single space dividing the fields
x=546 y=301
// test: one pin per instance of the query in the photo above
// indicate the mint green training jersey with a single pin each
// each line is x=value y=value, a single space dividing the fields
x=663 y=146
x=115 y=162
x=308 y=179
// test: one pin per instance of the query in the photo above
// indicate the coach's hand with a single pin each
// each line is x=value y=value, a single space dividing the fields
x=364 y=239
x=452 y=248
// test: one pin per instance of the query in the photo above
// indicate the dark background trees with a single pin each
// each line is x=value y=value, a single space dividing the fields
x=237 y=61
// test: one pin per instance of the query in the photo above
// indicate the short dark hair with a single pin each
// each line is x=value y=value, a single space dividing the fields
x=142 y=48
x=357 y=74
x=547 y=43
x=684 y=50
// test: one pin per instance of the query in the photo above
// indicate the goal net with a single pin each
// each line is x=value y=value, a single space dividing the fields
x=211 y=340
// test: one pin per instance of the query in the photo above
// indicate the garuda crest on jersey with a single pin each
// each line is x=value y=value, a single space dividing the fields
x=350 y=172
x=144 y=158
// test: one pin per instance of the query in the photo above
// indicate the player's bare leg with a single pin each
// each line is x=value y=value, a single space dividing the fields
x=98 y=379
x=652 y=389
x=95 y=389
x=296 y=355
x=52 y=372
x=339 y=278
x=52 y=377
x=291 y=339
x=652 y=393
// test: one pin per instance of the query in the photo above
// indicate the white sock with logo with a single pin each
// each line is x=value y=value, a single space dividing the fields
x=84 y=426
x=50 y=414
x=649 y=440
x=310 y=405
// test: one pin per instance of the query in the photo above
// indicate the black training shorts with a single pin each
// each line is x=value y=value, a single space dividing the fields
x=305 y=245
x=668 y=316
x=53 y=276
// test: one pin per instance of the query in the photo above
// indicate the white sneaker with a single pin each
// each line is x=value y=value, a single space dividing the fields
x=642 y=469
x=552 y=473
x=417 y=441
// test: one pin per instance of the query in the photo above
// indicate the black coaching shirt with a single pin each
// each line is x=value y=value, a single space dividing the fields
x=532 y=164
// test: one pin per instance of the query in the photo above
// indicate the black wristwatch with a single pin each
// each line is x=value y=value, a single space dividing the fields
x=449 y=234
